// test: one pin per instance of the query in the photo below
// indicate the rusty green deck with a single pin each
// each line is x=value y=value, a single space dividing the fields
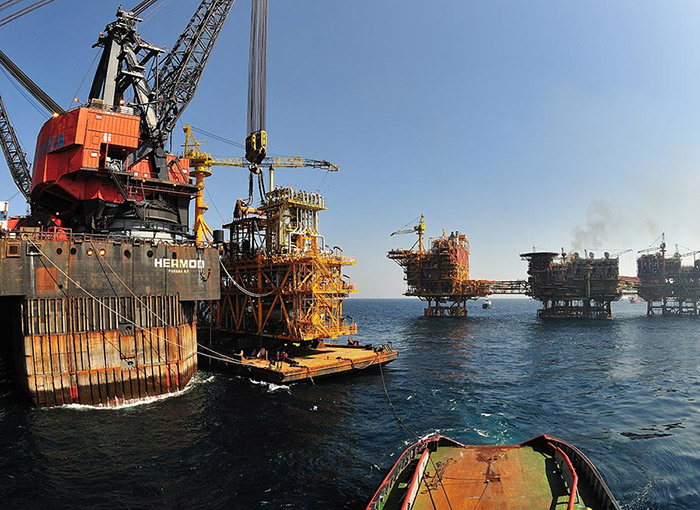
x=490 y=478
x=542 y=473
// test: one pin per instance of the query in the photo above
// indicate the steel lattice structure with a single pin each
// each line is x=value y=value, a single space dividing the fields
x=175 y=80
x=280 y=281
x=440 y=275
x=15 y=157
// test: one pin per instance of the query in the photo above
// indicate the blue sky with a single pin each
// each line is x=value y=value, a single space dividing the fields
x=543 y=123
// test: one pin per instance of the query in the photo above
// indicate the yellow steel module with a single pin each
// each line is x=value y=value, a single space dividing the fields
x=280 y=280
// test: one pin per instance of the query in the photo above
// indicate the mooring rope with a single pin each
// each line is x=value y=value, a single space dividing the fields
x=148 y=309
x=104 y=337
x=420 y=440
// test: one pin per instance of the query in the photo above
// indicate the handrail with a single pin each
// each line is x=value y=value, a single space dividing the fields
x=66 y=234
x=574 y=477
x=415 y=481
x=404 y=460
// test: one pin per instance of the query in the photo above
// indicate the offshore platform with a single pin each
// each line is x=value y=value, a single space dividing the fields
x=668 y=286
x=439 y=275
x=571 y=286
x=568 y=286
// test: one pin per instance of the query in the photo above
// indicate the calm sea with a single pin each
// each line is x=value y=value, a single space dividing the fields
x=625 y=391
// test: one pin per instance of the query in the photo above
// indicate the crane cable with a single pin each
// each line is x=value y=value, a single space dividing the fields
x=77 y=91
x=257 y=71
x=220 y=357
x=7 y=4
x=30 y=99
x=156 y=10
x=142 y=6
x=26 y=10
x=217 y=137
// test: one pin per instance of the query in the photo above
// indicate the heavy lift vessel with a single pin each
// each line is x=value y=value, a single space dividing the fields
x=99 y=283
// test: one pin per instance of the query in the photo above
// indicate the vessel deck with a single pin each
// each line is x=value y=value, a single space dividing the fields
x=492 y=477
x=312 y=363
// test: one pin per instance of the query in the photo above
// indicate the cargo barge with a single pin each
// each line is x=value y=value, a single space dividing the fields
x=304 y=363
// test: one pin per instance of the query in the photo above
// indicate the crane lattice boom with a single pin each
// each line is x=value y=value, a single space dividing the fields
x=280 y=162
x=175 y=80
x=15 y=157
x=199 y=158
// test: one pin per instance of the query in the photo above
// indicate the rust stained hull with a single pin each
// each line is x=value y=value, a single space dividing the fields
x=99 y=321
x=91 y=369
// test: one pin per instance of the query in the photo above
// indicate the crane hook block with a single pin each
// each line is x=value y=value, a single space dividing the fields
x=256 y=146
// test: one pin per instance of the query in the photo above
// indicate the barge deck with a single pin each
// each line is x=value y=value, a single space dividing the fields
x=309 y=364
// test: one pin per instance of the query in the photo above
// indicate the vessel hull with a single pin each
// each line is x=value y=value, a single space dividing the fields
x=102 y=321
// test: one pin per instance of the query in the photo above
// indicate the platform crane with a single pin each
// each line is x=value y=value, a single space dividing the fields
x=661 y=247
x=201 y=163
x=688 y=254
x=617 y=254
x=418 y=229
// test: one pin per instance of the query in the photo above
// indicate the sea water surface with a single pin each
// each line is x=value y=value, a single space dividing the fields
x=625 y=391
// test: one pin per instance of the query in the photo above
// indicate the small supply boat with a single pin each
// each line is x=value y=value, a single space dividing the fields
x=487 y=305
x=543 y=473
